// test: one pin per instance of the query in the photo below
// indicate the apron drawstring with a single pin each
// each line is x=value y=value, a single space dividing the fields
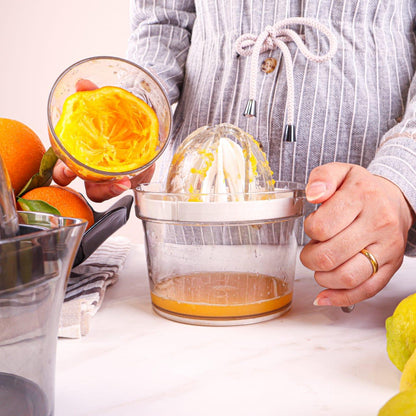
x=277 y=36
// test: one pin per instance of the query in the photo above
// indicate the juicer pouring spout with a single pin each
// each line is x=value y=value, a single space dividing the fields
x=9 y=223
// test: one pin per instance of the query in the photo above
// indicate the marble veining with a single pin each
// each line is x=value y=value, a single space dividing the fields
x=312 y=360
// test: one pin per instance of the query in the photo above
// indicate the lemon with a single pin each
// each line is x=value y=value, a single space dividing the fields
x=402 y=404
x=401 y=332
x=408 y=378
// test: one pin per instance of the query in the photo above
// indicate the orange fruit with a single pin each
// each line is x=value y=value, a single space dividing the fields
x=21 y=151
x=108 y=129
x=68 y=202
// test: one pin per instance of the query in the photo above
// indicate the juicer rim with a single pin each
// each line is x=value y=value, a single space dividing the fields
x=55 y=227
x=171 y=207
x=77 y=222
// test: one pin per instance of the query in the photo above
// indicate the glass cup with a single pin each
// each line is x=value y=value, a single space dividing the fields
x=34 y=267
x=108 y=71
x=223 y=261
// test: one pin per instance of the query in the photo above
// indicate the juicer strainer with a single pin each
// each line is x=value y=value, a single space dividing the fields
x=222 y=160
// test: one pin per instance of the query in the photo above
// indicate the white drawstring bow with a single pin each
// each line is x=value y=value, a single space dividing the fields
x=277 y=36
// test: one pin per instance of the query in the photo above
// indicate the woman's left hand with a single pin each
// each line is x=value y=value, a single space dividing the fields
x=358 y=211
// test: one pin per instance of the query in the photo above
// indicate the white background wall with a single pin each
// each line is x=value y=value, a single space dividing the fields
x=38 y=40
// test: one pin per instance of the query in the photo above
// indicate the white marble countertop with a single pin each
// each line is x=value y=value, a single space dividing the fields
x=311 y=361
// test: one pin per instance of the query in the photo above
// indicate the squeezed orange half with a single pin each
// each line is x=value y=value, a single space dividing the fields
x=221 y=295
x=108 y=129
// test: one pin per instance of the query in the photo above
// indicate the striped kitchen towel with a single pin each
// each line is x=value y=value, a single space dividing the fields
x=87 y=285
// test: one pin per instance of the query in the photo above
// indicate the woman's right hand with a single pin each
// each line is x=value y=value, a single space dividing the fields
x=101 y=191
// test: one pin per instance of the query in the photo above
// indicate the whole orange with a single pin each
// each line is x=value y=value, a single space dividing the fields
x=68 y=202
x=21 y=151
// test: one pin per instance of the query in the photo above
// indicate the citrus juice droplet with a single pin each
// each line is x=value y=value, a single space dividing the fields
x=222 y=295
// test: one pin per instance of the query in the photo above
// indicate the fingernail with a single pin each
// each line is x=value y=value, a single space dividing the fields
x=119 y=188
x=68 y=173
x=322 y=302
x=315 y=190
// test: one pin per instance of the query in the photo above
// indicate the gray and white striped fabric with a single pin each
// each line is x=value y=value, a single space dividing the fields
x=355 y=108
x=87 y=285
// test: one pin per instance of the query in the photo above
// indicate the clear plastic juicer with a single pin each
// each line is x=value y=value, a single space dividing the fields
x=221 y=263
x=221 y=235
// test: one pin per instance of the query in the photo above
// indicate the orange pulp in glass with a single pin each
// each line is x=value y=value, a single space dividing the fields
x=108 y=129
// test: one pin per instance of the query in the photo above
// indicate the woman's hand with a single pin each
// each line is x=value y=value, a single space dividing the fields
x=101 y=191
x=359 y=210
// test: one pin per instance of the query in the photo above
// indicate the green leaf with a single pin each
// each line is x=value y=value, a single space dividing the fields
x=44 y=176
x=37 y=205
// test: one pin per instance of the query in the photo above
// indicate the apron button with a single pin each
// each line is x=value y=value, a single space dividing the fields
x=268 y=65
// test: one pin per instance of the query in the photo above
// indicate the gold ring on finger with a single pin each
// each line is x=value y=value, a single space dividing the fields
x=372 y=259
